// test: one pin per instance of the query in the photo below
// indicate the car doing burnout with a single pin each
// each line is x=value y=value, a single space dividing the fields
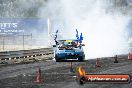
x=68 y=50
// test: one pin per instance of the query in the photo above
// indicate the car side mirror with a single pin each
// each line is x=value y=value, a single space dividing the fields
x=83 y=44
x=54 y=45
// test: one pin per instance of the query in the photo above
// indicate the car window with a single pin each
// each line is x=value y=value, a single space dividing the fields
x=68 y=44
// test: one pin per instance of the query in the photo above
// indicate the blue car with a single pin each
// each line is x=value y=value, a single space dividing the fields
x=68 y=50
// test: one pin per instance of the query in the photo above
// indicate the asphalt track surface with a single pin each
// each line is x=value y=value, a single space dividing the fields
x=58 y=75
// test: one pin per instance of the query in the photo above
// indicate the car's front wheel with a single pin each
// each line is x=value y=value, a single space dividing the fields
x=56 y=58
x=81 y=58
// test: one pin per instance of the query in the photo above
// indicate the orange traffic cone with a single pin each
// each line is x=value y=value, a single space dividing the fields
x=129 y=56
x=39 y=78
x=98 y=63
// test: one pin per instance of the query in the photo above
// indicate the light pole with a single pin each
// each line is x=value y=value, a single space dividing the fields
x=3 y=44
x=23 y=41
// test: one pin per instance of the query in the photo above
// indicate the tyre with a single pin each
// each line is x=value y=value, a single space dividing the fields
x=56 y=58
x=81 y=59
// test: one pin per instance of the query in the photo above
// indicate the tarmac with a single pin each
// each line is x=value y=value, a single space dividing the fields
x=58 y=75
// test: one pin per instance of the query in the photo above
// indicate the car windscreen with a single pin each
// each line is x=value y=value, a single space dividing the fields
x=67 y=45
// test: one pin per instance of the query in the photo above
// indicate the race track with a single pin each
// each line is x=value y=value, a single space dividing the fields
x=58 y=75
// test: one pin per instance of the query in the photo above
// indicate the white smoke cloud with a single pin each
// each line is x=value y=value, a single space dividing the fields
x=104 y=34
